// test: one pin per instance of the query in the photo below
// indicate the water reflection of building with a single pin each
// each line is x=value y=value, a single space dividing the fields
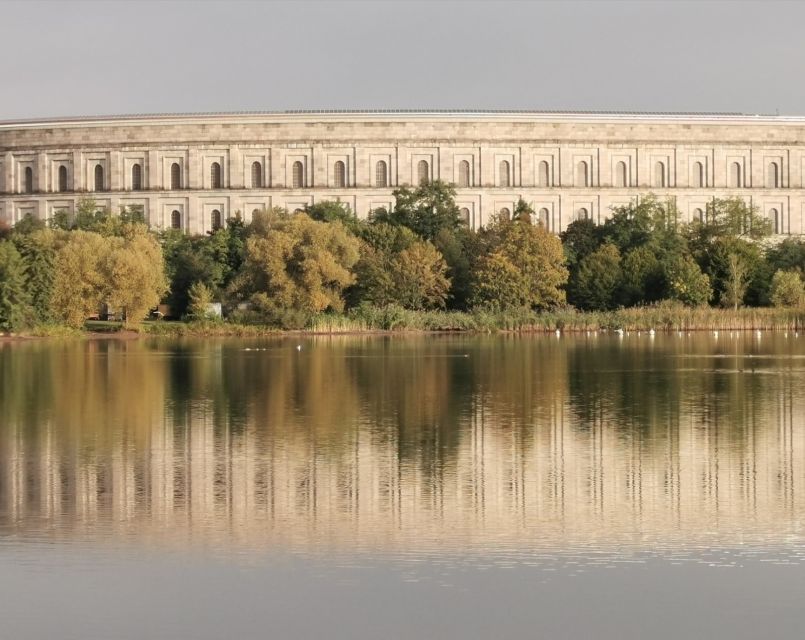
x=561 y=483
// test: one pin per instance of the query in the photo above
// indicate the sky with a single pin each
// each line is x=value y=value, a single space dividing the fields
x=66 y=58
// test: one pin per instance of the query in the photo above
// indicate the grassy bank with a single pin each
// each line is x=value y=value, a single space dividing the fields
x=661 y=317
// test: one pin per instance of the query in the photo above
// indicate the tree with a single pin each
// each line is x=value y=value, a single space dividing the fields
x=642 y=276
x=727 y=218
x=420 y=277
x=397 y=267
x=536 y=256
x=579 y=240
x=498 y=284
x=133 y=274
x=736 y=280
x=200 y=297
x=15 y=309
x=595 y=283
x=425 y=210
x=686 y=282
x=298 y=263
x=523 y=211
x=787 y=289
x=38 y=249
x=328 y=211
x=29 y=224
x=79 y=284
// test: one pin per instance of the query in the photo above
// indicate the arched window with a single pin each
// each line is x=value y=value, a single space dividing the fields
x=698 y=214
x=698 y=175
x=62 y=178
x=98 y=177
x=297 y=175
x=176 y=176
x=582 y=213
x=544 y=174
x=381 y=174
x=774 y=215
x=465 y=216
x=735 y=175
x=339 y=174
x=505 y=214
x=463 y=174
x=659 y=174
x=620 y=174
x=176 y=219
x=582 y=174
x=422 y=172
x=28 y=181
x=217 y=219
x=136 y=177
x=545 y=217
x=257 y=175
x=504 y=179
x=772 y=176
x=215 y=176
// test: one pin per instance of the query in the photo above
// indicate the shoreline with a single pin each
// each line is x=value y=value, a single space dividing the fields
x=168 y=329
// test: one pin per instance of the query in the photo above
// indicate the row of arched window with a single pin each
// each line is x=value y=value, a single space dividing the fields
x=736 y=177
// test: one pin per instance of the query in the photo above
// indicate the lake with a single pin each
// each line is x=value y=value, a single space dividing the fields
x=404 y=487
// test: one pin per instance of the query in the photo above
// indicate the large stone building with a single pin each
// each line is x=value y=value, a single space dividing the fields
x=194 y=171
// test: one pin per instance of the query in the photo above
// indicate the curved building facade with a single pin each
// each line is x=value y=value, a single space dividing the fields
x=192 y=172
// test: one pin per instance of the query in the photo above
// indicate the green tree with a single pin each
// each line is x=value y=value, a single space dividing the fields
x=523 y=211
x=595 y=283
x=29 y=224
x=329 y=211
x=38 y=249
x=200 y=297
x=580 y=239
x=686 y=282
x=387 y=271
x=642 y=276
x=787 y=289
x=425 y=210
x=15 y=309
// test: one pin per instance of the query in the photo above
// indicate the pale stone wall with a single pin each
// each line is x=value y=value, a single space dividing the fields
x=660 y=154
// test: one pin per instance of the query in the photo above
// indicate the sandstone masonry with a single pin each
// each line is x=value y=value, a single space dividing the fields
x=194 y=171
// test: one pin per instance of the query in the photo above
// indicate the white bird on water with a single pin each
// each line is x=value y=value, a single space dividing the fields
x=299 y=347
x=651 y=332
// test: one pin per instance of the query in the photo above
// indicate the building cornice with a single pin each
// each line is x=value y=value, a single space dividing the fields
x=279 y=117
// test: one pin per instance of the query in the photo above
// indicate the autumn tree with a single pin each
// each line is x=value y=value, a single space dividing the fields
x=297 y=263
x=133 y=274
x=79 y=284
x=531 y=255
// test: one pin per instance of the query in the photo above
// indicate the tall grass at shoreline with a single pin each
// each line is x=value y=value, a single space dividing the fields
x=393 y=319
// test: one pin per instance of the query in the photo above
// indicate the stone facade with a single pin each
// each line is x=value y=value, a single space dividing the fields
x=192 y=171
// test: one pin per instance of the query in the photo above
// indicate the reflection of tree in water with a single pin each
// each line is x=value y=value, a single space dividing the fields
x=405 y=433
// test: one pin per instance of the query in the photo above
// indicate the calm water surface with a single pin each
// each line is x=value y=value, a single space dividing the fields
x=428 y=487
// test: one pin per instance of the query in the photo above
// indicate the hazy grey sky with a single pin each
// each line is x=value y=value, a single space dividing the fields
x=104 y=57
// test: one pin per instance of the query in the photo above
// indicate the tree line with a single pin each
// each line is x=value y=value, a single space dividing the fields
x=282 y=269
